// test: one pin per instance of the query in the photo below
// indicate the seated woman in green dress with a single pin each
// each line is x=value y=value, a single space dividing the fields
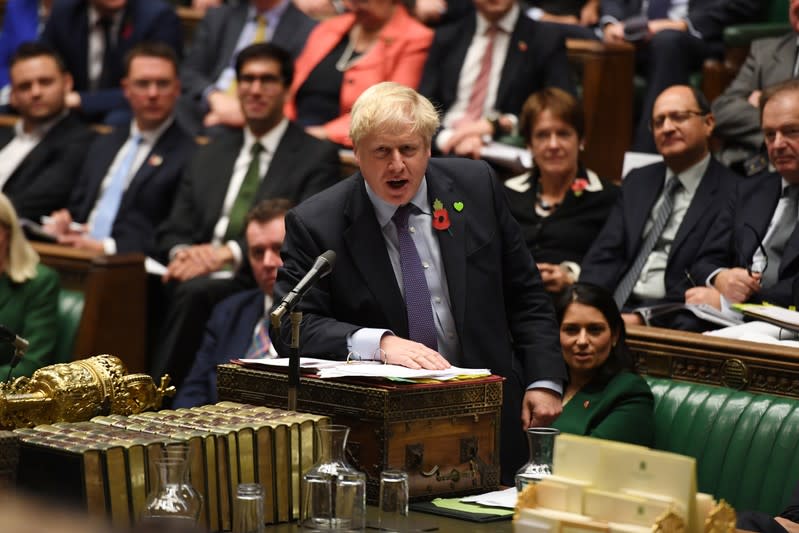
x=604 y=398
x=28 y=297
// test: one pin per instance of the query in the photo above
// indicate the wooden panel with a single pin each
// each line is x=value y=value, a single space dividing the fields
x=681 y=355
x=115 y=301
x=606 y=71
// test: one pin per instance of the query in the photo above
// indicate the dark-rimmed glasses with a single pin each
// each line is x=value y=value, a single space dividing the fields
x=675 y=117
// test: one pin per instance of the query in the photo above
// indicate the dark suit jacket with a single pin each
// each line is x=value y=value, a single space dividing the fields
x=228 y=335
x=566 y=234
x=67 y=30
x=149 y=196
x=215 y=42
x=621 y=409
x=617 y=245
x=44 y=180
x=301 y=166
x=503 y=317
x=536 y=59
x=708 y=17
x=730 y=243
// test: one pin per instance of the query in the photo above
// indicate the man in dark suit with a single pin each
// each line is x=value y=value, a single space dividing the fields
x=431 y=269
x=239 y=326
x=127 y=184
x=480 y=94
x=207 y=73
x=270 y=158
x=674 y=38
x=664 y=211
x=41 y=155
x=737 y=110
x=78 y=29
x=752 y=251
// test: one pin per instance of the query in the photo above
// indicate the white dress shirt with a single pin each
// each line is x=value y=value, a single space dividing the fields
x=23 y=144
x=97 y=43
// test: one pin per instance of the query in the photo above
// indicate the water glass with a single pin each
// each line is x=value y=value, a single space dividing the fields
x=248 y=509
x=350 y=501
x=317 y=502
x=393 y=500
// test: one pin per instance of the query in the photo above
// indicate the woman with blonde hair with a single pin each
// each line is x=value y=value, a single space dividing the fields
x=28 y=297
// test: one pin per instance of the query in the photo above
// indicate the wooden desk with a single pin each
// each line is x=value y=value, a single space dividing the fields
x=744 y=365
x=114 y=317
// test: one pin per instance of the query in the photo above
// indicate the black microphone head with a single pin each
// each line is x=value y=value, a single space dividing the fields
x=326 y=261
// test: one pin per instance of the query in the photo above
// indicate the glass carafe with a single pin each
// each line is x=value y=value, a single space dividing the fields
x=541 y=442
x=333 y=491
x=173 y=501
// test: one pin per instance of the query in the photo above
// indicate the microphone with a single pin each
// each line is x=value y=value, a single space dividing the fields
x=20 y=344
x=321 y=268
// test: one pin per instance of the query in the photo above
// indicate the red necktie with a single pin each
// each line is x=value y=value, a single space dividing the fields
x=474 y=111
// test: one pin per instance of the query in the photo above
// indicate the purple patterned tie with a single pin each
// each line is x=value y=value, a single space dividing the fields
x=421 y=327
x=259 y=348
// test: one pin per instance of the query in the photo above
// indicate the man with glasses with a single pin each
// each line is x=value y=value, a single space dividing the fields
x=660 y=219
x=204 y=234
x=752 y=252
x=128 y=181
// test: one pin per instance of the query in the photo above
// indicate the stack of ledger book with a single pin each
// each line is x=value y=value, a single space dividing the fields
x=107 y=465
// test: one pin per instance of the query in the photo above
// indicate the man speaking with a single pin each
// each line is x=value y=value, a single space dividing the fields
x=431 y=269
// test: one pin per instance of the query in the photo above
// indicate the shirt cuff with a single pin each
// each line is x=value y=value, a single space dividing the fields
x=712 y=277
x=573 y=269
x=554 y=386
x=175 y=249
x=364 y=344
x=109 y=246
x=235 y=249
x=691 y=29
x=443 y=138
x=535 y=13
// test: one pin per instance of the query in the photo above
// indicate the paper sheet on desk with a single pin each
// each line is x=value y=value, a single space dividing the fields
x=498 y=498
x=328 y=369
x=757 y=331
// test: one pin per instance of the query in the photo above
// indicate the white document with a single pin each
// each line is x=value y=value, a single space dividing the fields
x=757 y=331
x=634 y=160
x=498 y=498
x=512 y=157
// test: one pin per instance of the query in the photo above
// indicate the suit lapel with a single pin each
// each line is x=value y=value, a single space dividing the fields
x=165 y=147
x=373 y=263
x=224 y=159
x=99 y=170
x=784 y=56
x=643 y=198
x=248 y=319
x=703 y=197
x=282 y=161
x=230 y=38
x=452 y=242
x=513 y=61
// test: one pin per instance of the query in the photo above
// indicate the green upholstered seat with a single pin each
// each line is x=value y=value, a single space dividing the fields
x=746 y=445
x=70 y=310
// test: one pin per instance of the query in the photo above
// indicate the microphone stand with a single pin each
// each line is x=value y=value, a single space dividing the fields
x=294 y=355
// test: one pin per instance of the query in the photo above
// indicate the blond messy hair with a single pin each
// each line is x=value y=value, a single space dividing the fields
x=22 y=258
x=390 y=107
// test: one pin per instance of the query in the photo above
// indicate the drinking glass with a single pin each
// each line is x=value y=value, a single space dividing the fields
x=393 y=500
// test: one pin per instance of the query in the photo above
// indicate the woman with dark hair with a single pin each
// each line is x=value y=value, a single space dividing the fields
x=604 y=398
x=560 y=204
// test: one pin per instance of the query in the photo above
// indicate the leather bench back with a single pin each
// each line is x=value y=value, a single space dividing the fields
x=746 y=445
x=70 y=311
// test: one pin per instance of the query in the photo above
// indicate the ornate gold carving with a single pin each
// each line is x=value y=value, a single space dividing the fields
x=720 y=519
x=669 y=522
x=71 y=392
x=734 y=374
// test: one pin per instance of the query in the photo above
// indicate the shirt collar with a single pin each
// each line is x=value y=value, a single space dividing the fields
x=267 y=304
x=151 y=136
x=271 y=14
x=384 y=210
x=40 y=130
x=270 y=140
x=692 y=176
x=507 y=23
x=94 y=17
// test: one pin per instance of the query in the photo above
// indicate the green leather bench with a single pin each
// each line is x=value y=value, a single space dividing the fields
x=70 y=310
x=746 y=445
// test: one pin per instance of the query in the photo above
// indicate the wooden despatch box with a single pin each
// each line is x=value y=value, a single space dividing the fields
x=445 y=435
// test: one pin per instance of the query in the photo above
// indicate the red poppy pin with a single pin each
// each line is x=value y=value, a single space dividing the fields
x=127 y=31
x=578 y=186
x=522 y=46
x=155 y=160
x=440 y=216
